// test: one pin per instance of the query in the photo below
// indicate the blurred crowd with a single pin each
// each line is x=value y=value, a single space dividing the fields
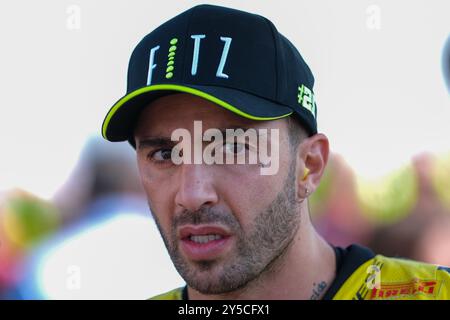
x=104 y=183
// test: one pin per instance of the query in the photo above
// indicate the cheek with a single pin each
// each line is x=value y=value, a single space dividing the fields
x=160 y=207
x=247 y=193
x=159 y=195
x=154 y=179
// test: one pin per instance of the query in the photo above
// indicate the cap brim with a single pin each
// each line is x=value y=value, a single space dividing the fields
x=120 y=120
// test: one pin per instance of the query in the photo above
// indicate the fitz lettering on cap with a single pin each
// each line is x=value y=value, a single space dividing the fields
x=151 y=65
x=195 y=57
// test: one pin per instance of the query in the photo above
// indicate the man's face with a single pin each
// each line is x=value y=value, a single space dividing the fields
x=223 y=224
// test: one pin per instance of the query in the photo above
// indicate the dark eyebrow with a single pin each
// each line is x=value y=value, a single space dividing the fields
x=155 y=142
x=152 y=142
x=223 y=131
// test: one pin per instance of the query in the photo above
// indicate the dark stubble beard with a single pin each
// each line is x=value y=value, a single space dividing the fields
x=257 y=250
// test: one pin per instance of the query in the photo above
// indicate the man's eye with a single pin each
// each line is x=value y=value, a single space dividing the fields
x=161 y=155
x=235 y=147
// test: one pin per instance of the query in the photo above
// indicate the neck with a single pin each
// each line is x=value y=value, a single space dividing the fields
x=305 y=271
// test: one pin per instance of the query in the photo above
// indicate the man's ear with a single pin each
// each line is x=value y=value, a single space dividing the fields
x=312 y=159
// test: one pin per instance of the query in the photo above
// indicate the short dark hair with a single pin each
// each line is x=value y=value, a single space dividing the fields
x=296 y=132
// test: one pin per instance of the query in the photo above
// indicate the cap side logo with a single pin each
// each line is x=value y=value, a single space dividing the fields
x=307 y=100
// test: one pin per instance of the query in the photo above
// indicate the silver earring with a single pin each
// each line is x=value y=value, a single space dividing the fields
x=306 y=192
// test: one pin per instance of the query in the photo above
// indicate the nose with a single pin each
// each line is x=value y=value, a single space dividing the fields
x=196 y=188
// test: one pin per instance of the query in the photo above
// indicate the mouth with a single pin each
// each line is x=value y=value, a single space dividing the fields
x=204 y=238
x=204 y=242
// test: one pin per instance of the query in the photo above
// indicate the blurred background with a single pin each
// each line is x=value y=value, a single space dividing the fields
x=74 y=222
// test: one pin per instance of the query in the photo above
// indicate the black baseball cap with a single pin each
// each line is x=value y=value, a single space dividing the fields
x=233 y=58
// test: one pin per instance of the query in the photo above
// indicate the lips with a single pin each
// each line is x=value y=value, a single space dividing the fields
x=204 y=242
x=188 y=231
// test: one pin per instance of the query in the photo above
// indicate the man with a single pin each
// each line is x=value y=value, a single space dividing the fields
x=234 y=231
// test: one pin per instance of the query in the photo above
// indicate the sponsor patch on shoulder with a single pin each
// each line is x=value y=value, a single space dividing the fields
x=405 y=290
